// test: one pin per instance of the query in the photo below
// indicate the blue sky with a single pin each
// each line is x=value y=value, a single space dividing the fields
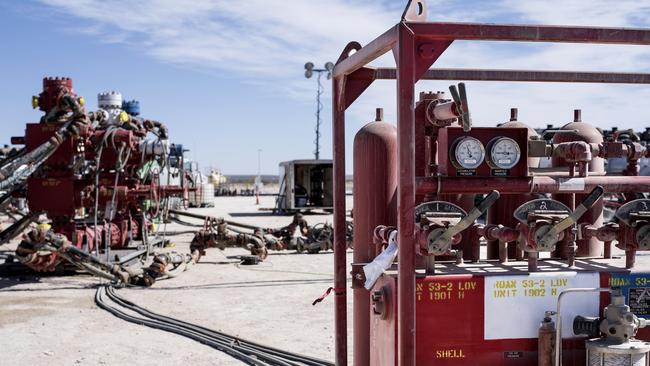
x=227 y=76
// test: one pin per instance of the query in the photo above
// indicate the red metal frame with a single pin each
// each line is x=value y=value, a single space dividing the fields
x=416 y=46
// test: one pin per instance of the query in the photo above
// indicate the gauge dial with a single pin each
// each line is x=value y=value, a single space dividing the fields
x=468 y=153
x=504 y=153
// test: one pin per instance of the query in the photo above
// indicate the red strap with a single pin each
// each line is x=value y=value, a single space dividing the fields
x=337 y=291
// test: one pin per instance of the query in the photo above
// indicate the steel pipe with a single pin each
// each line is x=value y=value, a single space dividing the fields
x=538 y=184
x=204 y=217
x=340 y=242
x=529 y=33
x=387 y=73
x=367 y=54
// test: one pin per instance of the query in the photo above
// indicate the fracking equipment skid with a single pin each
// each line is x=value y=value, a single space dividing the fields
x=429 y=192
x=92 y=182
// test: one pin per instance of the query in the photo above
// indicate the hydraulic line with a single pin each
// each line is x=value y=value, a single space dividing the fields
x=99 y=300
x=84 y=260
x=203 y=217
x=17 y=227
x=95 y=211
x=5 y=199
x=16 y=172
x=209 y=332
x=184 y=223
x=13 y=157
x=174 y=233
x=249 y=352
x=121 y=163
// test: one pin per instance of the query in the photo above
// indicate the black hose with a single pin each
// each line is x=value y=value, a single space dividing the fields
x=249 y=352
x=161 y=326
x=206 y=331
x=185 y=223
x=174 y=233
x=16 y=228
x=211 y=333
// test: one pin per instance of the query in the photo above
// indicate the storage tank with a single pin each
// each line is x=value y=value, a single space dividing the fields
x=581 y=131
x=203 y=196
x=375 y=203
x=111 y=104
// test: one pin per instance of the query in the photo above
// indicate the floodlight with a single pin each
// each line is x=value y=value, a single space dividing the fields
x=308 y=73
x=309 y=66
x=329 y=66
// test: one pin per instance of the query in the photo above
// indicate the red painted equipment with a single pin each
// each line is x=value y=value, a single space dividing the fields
x=572 y=132
x=375 y=153
x=101 y=186
x=502 y=210
x=484 y=313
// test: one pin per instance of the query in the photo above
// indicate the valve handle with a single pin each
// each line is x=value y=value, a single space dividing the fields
x=467 y=120
x=585 y=205
x=472 y=216
x=454 y=94
x=550 y=237
x=459 y=95
x=488 y=201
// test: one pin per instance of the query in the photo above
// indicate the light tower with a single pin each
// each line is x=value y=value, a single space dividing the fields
x=309 y=71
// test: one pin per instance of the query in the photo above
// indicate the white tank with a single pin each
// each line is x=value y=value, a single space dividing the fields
x=110 y=104
x=207 y=195
x=204 y=195
x=109 y=100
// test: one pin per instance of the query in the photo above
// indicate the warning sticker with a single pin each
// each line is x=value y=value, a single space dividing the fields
x=636 y=289
x=515 y=305
x=639 y=300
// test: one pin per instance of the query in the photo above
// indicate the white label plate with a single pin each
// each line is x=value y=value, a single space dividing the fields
x=515 y=305
x=572 y=184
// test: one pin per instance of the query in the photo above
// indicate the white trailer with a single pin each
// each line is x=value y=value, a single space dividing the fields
x=305 y=185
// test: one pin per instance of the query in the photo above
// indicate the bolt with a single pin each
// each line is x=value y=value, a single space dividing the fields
x=426 y=50
x=376 y=296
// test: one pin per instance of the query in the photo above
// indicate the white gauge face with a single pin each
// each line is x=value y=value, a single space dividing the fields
x=504 y=153
x=469 y=153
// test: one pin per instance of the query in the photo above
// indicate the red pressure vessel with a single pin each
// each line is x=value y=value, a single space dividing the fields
x=375 y=203
x=581 y=131
x=52 y=89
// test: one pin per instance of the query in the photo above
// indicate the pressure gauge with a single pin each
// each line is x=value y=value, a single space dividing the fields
x=468 y=153
x=504 y=153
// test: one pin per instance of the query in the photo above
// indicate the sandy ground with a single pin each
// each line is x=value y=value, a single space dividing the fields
x=54 y=320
